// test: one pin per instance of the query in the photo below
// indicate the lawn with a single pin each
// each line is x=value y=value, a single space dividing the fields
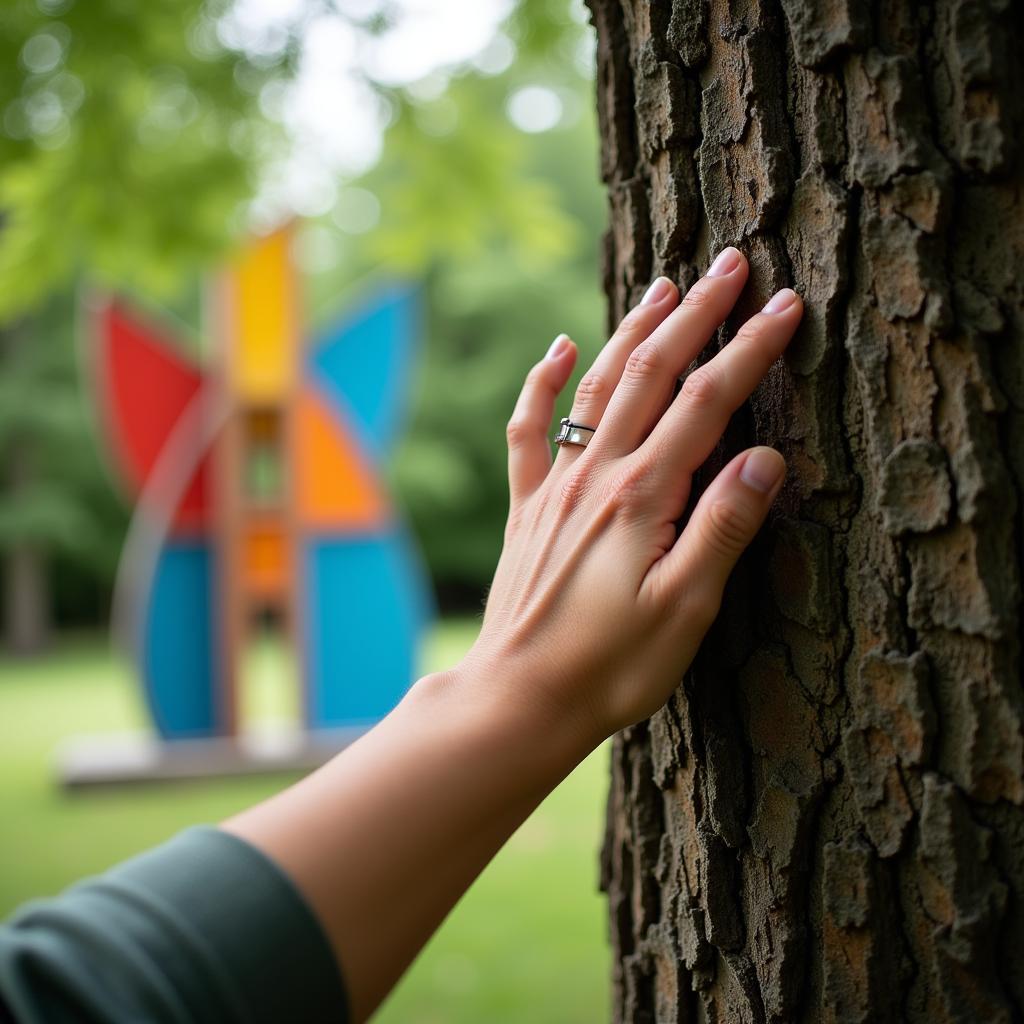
x=527 y=943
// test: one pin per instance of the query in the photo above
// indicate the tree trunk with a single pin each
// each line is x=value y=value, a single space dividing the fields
x=26 y=578
x=27 y=600
x=825 y=823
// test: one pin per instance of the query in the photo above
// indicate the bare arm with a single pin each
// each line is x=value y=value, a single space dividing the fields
x=596 y=610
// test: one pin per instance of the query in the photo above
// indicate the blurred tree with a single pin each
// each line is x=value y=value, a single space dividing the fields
x=129 y=135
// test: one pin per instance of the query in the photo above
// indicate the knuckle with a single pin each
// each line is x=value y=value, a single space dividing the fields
x=727 y=528
x=626 y=488
x=535 y=377
x=572 y=491
x=645 y=361
x=701 y=388
x=517 y=432
x=700 y=606
x=592 y=385
x=751 y=330
x=688 y=602
x=699 y=295
x=633 y=323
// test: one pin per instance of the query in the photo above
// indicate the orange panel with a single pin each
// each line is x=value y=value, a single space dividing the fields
x=335 y=485
x=265 y=561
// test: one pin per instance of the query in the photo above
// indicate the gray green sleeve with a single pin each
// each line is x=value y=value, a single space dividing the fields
x=202 y=928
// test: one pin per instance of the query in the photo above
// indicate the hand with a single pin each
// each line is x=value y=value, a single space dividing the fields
x=597 y=608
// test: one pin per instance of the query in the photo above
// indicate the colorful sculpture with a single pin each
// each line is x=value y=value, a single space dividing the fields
x=258 y=493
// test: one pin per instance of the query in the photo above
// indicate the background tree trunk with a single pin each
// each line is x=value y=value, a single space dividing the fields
x=24 y=565
x=26 y=600
x=25 y=568
x=825 y=824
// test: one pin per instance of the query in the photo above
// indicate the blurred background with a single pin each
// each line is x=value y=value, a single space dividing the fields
x=448 y=142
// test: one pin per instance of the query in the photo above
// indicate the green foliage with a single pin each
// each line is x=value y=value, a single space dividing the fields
x=127 y=142
x=470 y=189
x=57 y=496
x=548 y=34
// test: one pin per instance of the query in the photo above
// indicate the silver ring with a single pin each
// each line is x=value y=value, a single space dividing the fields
x=574 y=433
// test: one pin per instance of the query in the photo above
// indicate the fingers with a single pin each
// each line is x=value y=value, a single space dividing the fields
x=529 y=448
x=652 y=367
x=596 y=387
x=692 y=425
x=725 y=521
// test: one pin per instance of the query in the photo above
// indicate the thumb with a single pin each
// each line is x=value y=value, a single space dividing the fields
x=725 y=521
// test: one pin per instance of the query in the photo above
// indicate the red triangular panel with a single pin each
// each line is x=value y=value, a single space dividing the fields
x=145 y=386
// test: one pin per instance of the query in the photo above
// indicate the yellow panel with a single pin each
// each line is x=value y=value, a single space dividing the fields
x=263 y=347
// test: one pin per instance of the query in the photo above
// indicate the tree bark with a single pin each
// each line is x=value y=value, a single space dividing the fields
x=825 y=823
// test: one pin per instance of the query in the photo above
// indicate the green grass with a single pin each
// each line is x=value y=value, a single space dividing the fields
x=527 y=943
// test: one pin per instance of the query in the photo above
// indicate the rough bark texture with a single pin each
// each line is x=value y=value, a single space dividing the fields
x=826 y=823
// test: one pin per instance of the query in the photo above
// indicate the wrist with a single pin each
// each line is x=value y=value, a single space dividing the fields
x=511 y=710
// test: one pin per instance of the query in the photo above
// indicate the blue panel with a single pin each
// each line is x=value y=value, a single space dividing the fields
x=366 y=607
x=179 y=656
x=363 y=363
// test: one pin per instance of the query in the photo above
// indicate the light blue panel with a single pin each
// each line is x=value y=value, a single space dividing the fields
x=367 y=603
x=363 y=362
x=179 y=654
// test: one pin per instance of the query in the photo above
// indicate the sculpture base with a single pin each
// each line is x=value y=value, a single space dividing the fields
x=118 y=760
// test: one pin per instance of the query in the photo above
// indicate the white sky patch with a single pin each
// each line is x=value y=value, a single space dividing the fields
x=535 y=108
x=356 y=211
x=334 y=120
x=432 y=33
x=496 y=56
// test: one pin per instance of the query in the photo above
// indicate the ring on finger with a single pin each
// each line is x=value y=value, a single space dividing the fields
x=574 y=433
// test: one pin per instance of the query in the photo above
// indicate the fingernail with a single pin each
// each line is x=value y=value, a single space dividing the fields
x=725 y=262
x=780 y=301
x=763 y=469
x=659 y=290
x=558 y=346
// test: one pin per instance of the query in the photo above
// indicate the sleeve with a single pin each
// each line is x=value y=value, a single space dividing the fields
x=204 y=928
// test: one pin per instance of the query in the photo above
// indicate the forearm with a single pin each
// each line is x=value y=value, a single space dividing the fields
x=385 y=839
